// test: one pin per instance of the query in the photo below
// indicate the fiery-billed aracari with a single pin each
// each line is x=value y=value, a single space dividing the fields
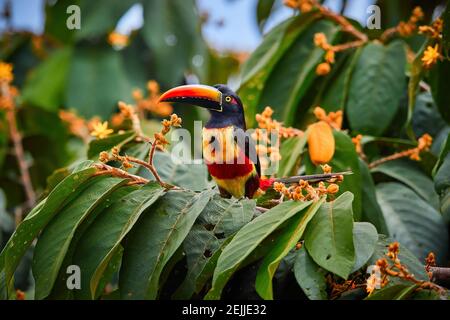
x=228 y=151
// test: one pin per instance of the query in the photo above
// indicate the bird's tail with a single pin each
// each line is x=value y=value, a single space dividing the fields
x=265 y=184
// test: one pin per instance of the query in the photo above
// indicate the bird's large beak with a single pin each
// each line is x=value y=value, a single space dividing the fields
x=199 y=95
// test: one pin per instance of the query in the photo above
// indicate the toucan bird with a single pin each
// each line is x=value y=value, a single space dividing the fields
x=229 y=152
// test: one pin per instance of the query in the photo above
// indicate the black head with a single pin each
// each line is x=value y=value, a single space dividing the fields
x=232 y=110
x=223 y=103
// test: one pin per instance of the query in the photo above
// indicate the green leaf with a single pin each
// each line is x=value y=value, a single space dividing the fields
x=395 y=292
x=60 y=290
x=190 y=176
x=439 y=87
x=365 y=238
x=413 y=221
x=55 y=239
x=97 y=81
x=100 y=17
x=328 y=237
x=260 y=64
x=309 y=276
x=286 y=85
x=291 y=149
x=247 y=240
x=98 y=145
x=171 y=32
x=102 y=239
x=155 y=239
x=446 y=30
x=47 y=91
x=376 y=87
x=408 y=173
x=55 y=17
x=35 y=221
x=288 y=239
x=218 y=222
x=371 y=211
x=406 y=257
x=334 y=93
x=442 y=179
x=263 y=10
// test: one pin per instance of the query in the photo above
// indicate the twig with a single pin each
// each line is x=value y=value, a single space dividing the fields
x=348 y=45
x=106 y=169
x=16 y=139
x=261 y=209
x=346 y=25
x=152 y=169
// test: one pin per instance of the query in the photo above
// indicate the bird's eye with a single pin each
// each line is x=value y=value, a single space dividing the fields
x=228 y=99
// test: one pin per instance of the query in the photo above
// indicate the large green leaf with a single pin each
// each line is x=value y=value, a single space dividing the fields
x=98 y=145
x=55 y=239
x=442 y=179
x=288 y=239
x=100 y=17
x=172 y=170
x=47 y=91
x=294 y=73
x=365 y=238
x=446 y=29
x=60 y=290
x=155 y=239
x=263 y=11
x=439 y=87
x=97 y=81
x=406 y=172
x=333 y=94
x=329 y=237
x=247 y=240
x=376 y=87
x=220 y=219
x=413 y=221
x=171 y=31
x=260 y=64
x=371 y=211
x=102 y=239
x=310 y=277
x=395 y=292
x=35 y=221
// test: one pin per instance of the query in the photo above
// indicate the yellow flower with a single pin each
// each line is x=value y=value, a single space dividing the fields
x=101 y=130
x=430 y=56
x=6 y=74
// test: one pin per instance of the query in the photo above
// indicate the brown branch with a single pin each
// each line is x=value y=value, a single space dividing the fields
x=440 y=275
x=151 y=168
x=16 y=139
x=116 y=172
x=348 y=45
x=346 y=25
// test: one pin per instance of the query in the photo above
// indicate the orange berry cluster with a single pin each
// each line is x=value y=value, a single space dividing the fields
x=304 y=191
x=320 y=40
x=405 y=29
x=266 y=124
x=333 y=118
x=302 y=5
x=150 y=104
